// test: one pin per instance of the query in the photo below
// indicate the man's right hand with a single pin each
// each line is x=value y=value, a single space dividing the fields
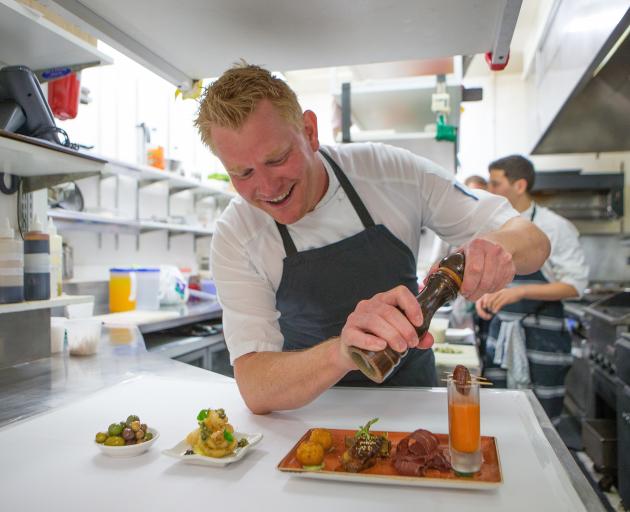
x=388 y=318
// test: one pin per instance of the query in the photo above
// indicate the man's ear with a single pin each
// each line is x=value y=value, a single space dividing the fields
x=521 y=185
x=310 y=128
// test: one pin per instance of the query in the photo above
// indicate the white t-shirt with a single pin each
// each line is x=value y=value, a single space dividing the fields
x=566 y=263
x=400 y=190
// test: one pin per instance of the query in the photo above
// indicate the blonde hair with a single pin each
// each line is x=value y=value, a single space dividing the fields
x=229 y=100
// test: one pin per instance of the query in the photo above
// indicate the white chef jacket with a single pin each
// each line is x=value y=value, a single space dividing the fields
x=566 y=262
x=400 y=190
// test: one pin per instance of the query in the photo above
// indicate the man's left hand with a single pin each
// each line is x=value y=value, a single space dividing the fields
x=489 y=268
x=491 y=303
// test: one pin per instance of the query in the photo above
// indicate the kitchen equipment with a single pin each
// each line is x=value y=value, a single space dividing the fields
x=623 y=442
x=148 y=293
x=581 y=196
x=83 y=335
x=67 y=196
x=600 y=443
x=122 y=289
x=67 y=261
x=442 y=285
x=36 y=262
x=11 y=265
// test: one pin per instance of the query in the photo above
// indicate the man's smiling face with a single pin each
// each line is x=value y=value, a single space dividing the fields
x=272 y=163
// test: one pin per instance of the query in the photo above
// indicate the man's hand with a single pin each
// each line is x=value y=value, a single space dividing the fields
x=489 y=268
x=388 y=318
x=491 y=303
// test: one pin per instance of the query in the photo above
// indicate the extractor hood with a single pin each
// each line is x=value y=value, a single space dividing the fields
x=596 y=115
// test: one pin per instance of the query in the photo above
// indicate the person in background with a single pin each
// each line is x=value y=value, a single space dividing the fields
x=527 y=332
x=318 y=250
x=476 y=182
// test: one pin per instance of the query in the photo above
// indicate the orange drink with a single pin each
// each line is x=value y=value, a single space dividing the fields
x=463 y=428
x=464 y=435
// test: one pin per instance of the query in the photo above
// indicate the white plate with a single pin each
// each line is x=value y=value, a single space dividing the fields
x=458 y=334
x=131 y=450
x=180 y=449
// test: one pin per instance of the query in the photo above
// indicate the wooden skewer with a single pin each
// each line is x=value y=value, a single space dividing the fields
x=481 y=383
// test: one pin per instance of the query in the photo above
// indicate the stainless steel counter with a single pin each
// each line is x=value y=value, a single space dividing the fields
x=36 y=387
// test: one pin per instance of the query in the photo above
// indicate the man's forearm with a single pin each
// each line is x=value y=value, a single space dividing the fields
x=270 y=381
x=549 y=291
x=527 y=244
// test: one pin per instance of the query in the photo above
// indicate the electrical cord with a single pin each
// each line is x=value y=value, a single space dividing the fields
x=59 y=131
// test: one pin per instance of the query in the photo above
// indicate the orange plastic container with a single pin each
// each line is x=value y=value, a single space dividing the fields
x=122 y=289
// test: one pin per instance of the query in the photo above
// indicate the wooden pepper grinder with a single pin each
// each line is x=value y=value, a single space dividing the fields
x=442 y=286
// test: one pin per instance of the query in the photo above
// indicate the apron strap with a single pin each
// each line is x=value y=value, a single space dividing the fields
x=355 y=201
x=287 y=241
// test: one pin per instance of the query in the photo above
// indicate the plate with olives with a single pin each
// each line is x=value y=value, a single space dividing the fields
x=126 y=438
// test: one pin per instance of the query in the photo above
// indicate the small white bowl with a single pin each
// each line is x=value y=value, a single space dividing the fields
x=130 y=450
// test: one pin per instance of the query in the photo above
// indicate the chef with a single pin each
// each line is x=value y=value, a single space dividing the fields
x=318 y=251
x=527 y=336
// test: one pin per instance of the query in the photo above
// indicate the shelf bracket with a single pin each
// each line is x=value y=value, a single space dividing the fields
x=505 y=32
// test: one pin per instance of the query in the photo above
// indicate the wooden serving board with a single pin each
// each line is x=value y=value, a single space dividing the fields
x=488 y=477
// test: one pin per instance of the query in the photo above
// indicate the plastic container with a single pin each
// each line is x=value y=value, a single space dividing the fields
x=148 y=296
x=56 y=260
x=11 y=265
x=63 y=96
x=83 y=335
x=36 y=262
x=122 y=289
x=57 y=334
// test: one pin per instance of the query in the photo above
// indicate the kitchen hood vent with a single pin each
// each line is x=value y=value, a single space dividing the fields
x=596 y=116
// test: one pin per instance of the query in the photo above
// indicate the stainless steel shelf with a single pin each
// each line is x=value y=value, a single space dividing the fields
x=29 y=39
x=83 y=221
x=56 y=302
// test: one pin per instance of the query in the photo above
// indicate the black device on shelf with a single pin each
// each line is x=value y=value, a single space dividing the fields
x=23 y=107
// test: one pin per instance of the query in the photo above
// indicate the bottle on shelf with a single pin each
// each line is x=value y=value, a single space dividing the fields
x=36 y=262
x=56 y=260
x=442 y=285
x=11 y=265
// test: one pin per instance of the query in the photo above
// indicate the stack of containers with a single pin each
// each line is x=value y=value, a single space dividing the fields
x=36 y=262
x=11 y=265
x=55 y=260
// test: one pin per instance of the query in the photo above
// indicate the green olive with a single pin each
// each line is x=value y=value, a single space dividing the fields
x=100 y=437
x=131 y=418
x=148 y=436
x=135 y=425
x=115 y=429
x=114 y=441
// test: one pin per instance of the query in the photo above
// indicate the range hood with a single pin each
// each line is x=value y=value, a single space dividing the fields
x=596 y=115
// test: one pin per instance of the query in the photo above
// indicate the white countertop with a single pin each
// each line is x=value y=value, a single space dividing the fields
x=49 y=462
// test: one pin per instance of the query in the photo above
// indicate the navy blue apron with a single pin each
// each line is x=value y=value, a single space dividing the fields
x=320 y=287
x=547 y=341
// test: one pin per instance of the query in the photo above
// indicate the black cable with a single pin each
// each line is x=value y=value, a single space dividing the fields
x=13 y=186
x=60 y=131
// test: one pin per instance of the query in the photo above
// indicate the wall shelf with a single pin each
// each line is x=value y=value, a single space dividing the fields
x=83 y=221
x=30 y=157
x=29 y=39
x=64 y=300
x=148 y=175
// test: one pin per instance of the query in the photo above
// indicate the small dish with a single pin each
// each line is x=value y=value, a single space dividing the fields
x=458 y=334
x=131 y=450
x=178 y=451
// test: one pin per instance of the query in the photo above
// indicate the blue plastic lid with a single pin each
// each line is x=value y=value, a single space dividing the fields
x=147 y=270
x=122 y=270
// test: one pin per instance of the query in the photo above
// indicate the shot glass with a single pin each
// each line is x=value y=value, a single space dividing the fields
x=464 y=437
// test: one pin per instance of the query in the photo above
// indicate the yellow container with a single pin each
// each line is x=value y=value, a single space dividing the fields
x=122 y=289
